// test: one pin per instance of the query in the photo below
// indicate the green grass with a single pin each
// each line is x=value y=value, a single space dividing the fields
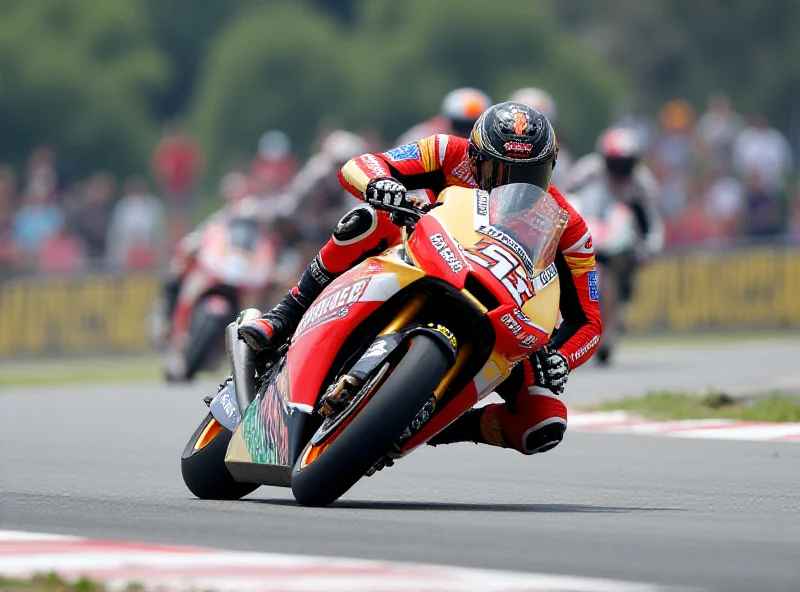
x=80 y=371
x=52 y=583
x=775 y=407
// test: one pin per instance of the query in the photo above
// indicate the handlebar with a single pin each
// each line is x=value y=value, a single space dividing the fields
x=407 y=216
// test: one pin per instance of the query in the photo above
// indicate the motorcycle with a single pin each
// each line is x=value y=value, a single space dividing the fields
x=613 y=228
x=391 y=352
x=233 y=268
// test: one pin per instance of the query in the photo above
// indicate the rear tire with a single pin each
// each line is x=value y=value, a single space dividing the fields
x=375 y=428
x=204 y=471
x=203 y=341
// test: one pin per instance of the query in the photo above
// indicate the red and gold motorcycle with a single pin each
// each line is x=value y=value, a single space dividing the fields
x=391 y=353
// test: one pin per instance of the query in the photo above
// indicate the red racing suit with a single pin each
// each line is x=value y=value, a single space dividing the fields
x=440 y=161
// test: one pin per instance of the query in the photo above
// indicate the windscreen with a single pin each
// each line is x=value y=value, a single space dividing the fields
x=532 y=218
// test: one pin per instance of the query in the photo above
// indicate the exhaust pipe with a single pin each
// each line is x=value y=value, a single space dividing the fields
x=242 y=360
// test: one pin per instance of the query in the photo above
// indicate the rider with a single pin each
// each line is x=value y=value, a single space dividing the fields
x=460 y=110
x=532 y=419
x=617 y=164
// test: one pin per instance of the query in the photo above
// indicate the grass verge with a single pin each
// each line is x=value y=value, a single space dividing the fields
x=774 y=407
x=81 y=371
x=53 y=583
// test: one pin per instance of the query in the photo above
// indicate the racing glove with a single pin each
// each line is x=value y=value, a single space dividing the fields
x=551 y=370
x=388 y=191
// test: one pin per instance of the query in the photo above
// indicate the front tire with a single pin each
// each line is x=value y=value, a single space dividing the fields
x=374 y=429
x=203 y=469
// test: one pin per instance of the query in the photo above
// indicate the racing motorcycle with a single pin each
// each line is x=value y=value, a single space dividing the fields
x=613 y=228
x=392 y=351
x=234 y=266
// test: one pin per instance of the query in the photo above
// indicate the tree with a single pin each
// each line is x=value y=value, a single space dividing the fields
x=80 y=75
x=286 y=65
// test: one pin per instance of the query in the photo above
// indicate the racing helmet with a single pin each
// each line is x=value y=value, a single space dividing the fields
x=621 y=148
x=539 y=99
x=512 y=143
x=342 y=145
x=462 y=107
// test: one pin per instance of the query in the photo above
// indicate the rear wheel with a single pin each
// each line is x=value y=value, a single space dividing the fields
x=205 y=336
x=326 y=471
x=203 y=464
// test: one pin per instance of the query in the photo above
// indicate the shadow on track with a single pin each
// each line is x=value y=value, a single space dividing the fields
x=465 y=507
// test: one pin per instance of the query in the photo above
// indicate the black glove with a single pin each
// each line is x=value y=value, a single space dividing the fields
x=388 y=191
x=551 y=370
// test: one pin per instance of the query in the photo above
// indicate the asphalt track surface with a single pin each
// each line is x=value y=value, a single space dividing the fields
x=102 y=462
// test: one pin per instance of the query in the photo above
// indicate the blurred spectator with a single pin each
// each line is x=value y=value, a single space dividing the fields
x=10 y=256
x=763 y=206
x=39 y=217
x=673 y=155
x=92 y=214
x=762 y=152
x=724 y=205
x=718 y=128
x=177 y=165
x=794 y=217
x=274 y=164
x=136 y=229
x=62 y=252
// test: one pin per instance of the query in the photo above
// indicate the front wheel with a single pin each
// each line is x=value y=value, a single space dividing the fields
x=325 y=472
x=203 y=464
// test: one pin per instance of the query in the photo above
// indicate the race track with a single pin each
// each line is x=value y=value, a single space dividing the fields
x=103 y=462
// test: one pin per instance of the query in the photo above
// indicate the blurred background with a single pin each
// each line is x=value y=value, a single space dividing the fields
x=125 y=124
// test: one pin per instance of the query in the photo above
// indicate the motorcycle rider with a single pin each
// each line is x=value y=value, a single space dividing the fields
x=460 y=110
x=533 y=418
x=617 y=164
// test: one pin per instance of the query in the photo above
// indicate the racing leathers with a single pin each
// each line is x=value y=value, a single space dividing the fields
x=532 y=419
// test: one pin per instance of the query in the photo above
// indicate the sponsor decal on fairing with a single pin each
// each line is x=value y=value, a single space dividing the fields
x=334 y=305
x=509 y=242
x=512 y=324
x=445 y=252
x=505 y=266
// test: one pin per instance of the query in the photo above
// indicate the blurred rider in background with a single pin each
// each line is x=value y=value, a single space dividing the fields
x=460 y=110
x=274 y=164
x=617 y=164
x=234 y=188
x=543 y=102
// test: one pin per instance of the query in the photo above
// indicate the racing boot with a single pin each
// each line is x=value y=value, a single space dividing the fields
x=274 y=328
x=466 y=428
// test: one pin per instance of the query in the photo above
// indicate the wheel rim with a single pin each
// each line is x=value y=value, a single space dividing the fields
x=208 y=434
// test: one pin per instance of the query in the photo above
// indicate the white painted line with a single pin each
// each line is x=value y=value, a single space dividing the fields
x=620 y=422
x=176 y=569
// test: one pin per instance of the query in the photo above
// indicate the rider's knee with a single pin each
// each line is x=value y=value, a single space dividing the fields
x=356 y=225
x=544 y=436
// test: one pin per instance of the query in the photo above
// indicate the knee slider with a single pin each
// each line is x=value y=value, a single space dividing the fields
x=545 y=436
x=356 y=225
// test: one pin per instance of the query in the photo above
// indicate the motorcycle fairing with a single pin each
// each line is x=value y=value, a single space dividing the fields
x=270 y=436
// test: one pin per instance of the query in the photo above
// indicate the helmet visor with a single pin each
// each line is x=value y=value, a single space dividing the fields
x=493 y=174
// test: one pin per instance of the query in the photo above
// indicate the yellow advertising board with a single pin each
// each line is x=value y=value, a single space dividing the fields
x=85 y=315
x=748 y=289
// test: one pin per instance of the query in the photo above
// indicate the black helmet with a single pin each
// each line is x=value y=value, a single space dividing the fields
x=512 y=143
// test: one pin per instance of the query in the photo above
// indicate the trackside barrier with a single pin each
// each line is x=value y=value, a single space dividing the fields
x=747 y=289
x=98 y=314
x=104 y=314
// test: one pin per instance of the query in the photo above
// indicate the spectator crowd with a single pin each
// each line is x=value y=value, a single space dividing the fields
x=725 y=179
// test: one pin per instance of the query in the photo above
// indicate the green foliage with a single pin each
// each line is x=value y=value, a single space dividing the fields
x=774 y=407
x=79 y=74
x=688 y=48
x=286 y=65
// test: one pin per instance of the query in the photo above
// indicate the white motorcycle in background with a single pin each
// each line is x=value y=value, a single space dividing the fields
x=613 y=228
